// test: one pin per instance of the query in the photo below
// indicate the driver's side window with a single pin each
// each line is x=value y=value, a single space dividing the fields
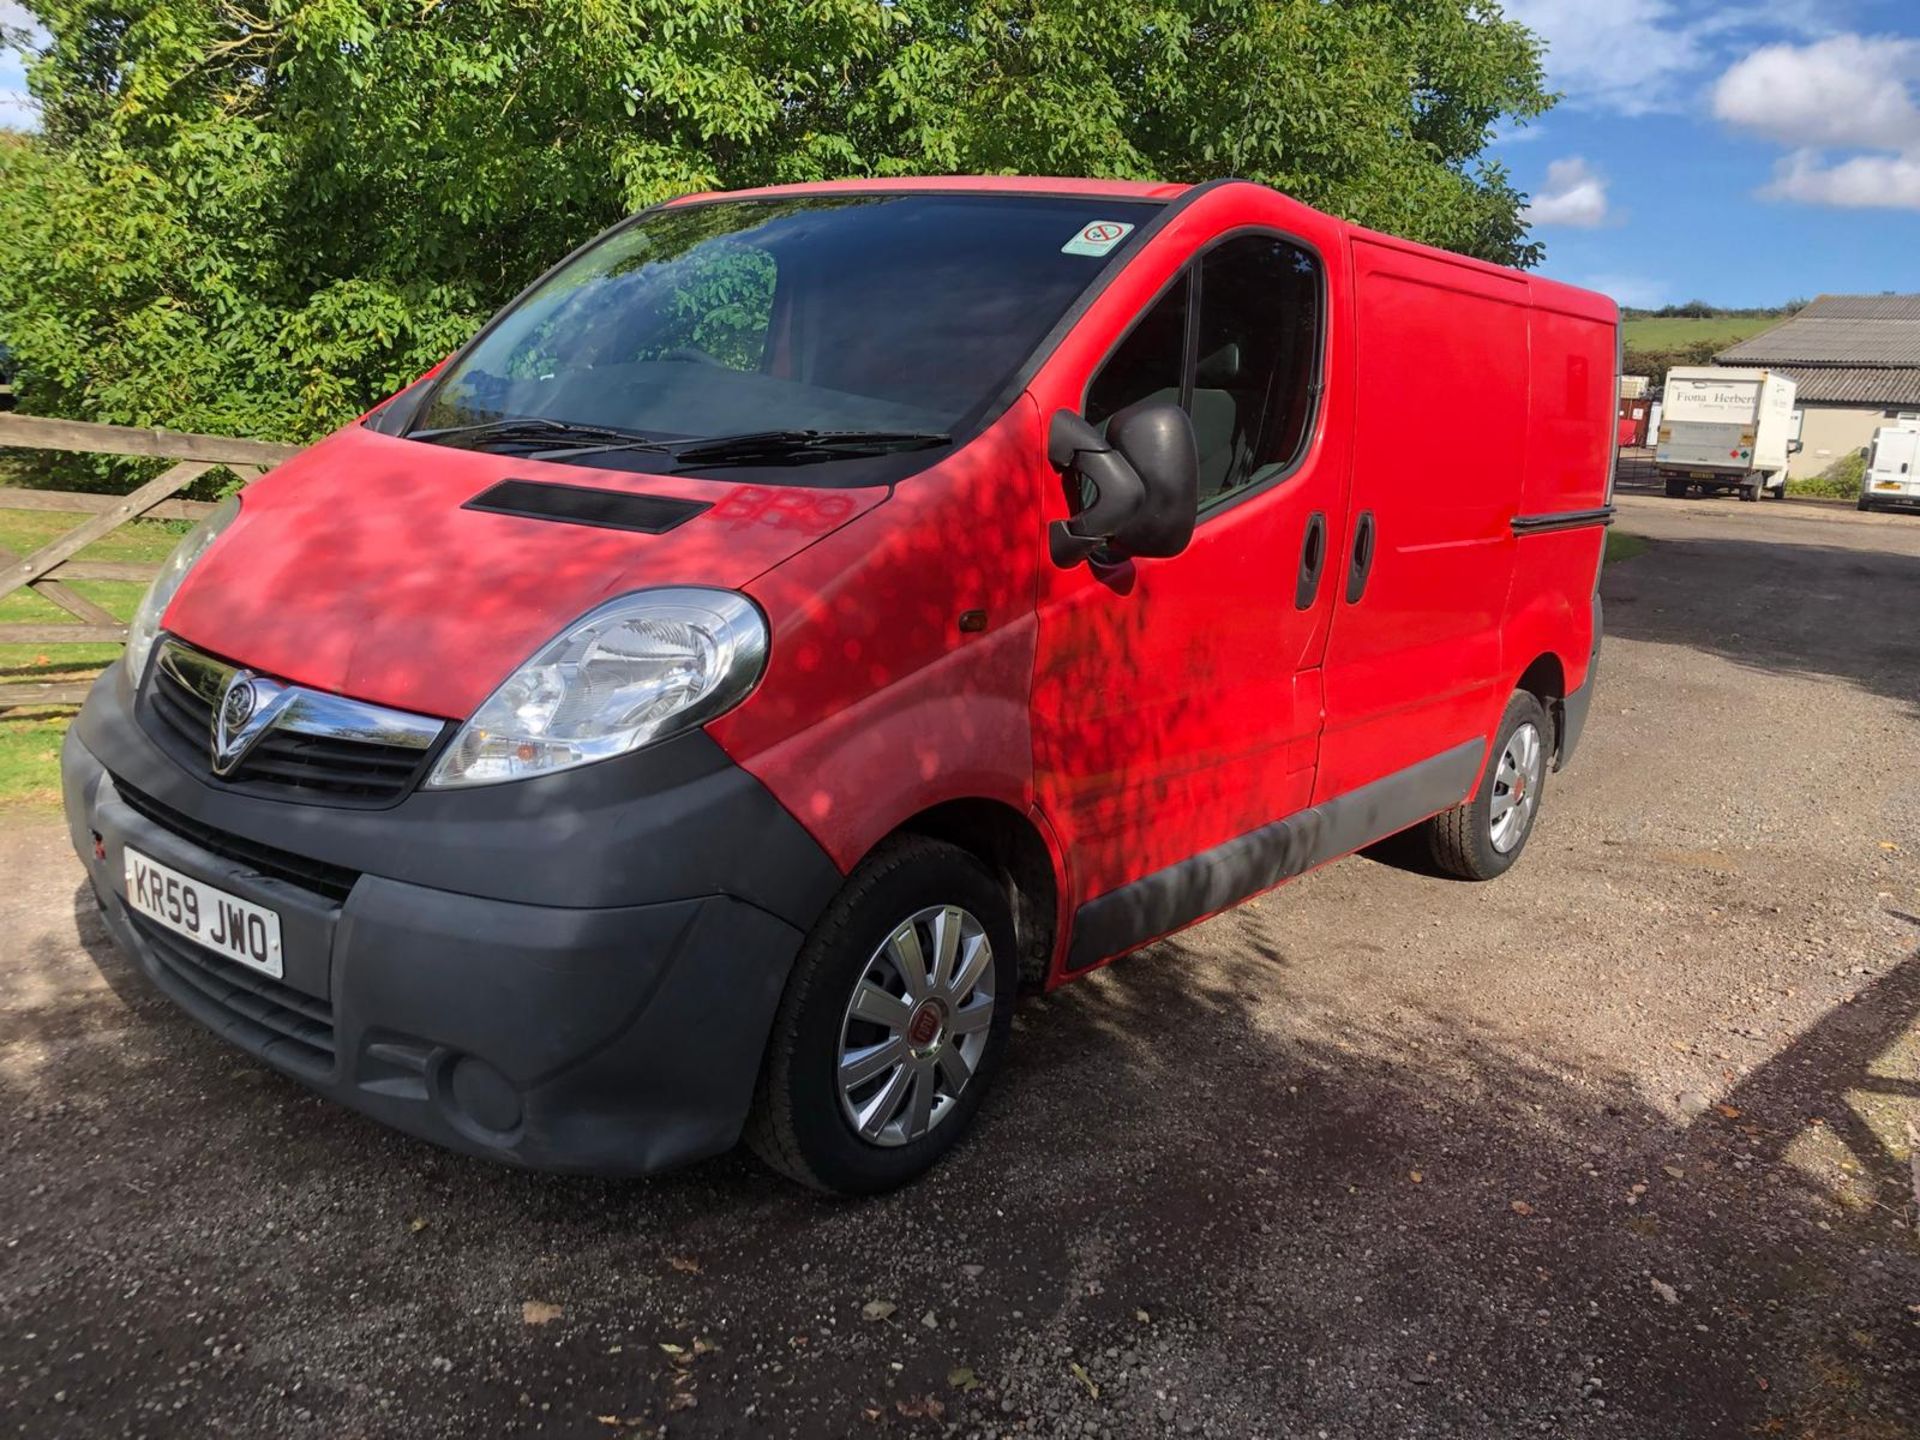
x=1150 y=363
x=1245 y=368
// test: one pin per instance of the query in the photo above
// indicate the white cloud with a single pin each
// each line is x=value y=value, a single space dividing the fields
x=1643 y=57
x=1866 y=182
x=1850 y=92
x=1846 y=106
x=1621 y=56
x=1575 y=195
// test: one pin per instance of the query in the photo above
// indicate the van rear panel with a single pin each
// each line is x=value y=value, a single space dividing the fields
x=1704 y=445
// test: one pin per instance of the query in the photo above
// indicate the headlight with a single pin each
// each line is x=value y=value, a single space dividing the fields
x=146 y=620
x=637 y=669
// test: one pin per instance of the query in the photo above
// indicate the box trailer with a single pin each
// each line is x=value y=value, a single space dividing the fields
x=1726 y=430
x=1892 y=477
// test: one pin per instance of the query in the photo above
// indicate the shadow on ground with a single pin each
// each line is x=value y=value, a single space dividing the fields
x=1406 y=1228
x=1772 y=606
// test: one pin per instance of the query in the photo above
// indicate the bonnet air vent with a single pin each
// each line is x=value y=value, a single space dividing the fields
x=578 y=505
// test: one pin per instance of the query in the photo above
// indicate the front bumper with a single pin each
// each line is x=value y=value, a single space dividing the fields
x=613 y=1038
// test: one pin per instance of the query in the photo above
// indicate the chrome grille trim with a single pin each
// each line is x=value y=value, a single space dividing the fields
x=306 y=712
x=260 y=736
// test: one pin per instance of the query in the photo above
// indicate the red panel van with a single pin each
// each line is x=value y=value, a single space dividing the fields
x=807 y=616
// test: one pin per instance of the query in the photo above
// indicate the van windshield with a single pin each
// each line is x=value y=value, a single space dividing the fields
x=798 y=330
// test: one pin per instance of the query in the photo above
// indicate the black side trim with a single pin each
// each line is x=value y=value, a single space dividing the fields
x=581 y=505
x=1562 y=520
x=1163 y=902
x=1573 y=710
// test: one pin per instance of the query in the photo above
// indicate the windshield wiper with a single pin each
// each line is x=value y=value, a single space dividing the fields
x=534 y=428
x=801 y=446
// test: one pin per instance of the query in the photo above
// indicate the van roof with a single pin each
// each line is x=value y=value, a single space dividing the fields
x=993 y=184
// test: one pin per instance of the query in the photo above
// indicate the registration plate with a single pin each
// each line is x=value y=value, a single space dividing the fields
x=232 y=928
x=1886 y=484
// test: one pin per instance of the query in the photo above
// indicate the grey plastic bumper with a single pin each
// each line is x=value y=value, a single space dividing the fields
x=615 y=1039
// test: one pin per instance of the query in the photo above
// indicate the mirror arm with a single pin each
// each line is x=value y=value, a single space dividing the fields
x=1076 y=447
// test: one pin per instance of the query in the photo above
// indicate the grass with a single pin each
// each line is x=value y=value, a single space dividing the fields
x=1839 y=481
x=30 y=739
x=1622 y=546
x=1678 y=332
x=30 y=763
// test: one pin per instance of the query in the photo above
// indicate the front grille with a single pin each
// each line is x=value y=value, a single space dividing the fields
x=288 y=762
x=331 y=882
x=257 y=1010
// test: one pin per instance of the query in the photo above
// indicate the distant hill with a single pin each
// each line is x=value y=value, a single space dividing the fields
x=1690 y=334
x=1676 y=332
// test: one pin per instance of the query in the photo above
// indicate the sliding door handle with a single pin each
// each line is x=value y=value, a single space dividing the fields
x=1364 y=545
x=1313 y=562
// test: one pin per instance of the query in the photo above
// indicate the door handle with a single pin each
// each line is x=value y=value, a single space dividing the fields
x=1362 y=566
x=1313 y=562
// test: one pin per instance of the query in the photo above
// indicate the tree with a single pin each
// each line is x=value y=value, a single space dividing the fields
x=260 y=216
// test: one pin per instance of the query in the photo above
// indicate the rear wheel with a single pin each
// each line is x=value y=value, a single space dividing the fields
x=893 y=1022
x=1676 y=489
x=1865 y=503
x=1481 y=837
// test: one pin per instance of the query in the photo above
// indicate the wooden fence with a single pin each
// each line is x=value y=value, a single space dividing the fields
x=47 y=569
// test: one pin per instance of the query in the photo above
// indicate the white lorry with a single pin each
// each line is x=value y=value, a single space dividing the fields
x=1892 y=477
x=1726 y=430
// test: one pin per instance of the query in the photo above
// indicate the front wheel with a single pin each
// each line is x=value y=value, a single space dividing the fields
x=1481 y=837
x=893 y=1022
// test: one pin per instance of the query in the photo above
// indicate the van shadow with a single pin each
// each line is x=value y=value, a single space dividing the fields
x=1184 y=1135
x=1782 y=608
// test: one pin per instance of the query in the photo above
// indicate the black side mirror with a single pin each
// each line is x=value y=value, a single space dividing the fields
x=1145 y=477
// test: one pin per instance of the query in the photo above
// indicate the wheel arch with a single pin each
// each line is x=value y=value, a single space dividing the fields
x=1014 y=846
x=1546 y=680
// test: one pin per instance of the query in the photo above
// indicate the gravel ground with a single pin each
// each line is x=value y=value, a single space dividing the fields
x=1617 y=1146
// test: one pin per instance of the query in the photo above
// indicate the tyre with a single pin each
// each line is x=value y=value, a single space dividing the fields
x=1676 y=489
x=1484 y=835
x=1865 y=503
x=893 y=1022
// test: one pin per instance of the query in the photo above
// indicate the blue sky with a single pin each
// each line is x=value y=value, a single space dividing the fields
x=15 y=109
x=1743 y=153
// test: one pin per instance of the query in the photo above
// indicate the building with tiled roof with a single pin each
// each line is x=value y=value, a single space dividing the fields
x=1856 y=362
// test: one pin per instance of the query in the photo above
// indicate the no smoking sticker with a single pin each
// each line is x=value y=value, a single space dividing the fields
x=1099 y=238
